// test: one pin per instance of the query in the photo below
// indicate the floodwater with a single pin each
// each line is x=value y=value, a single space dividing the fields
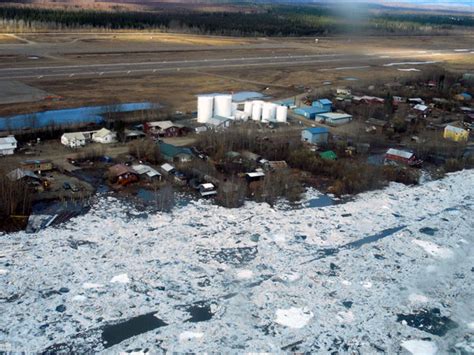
x=68 y=117
x=321 y=201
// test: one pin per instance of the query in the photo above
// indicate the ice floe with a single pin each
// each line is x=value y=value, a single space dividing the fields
x=122 y=278
x=293 y=317
x=420 y=347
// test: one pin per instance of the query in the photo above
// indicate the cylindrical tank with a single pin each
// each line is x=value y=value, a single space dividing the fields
x=281 y=113
x=223 y=105
x=205 y=108
x=248 y=108
x=266 y=112
x=257 y=110
x=235 y=107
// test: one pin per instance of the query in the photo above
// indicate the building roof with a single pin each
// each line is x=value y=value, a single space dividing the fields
x=255 y=174
x=317 y=130
x=334 y=115
x=164 y=125
x=167 y=167
x=399 y=153
x=75 y=135
x=218 y=120
x=172 y=151
x=277 y=164
x=420 y=107
x=310 y=110
x=454 y=129
x=207 y=186
x=121 y=169
x=8 y=141
x=325 y=102
x=36 y=161
x=102 y=133
x=142 y=169
x=18 y=174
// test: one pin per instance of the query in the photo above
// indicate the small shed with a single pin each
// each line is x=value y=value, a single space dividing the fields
x=315 y=135
x=219 y=122
x=207 y=189
x=168 y=168
x=21 y=174
x=8 y=145
x=455 y=133
x=328 y=155
x=254 y=176
x=401 y=156
x=334 y=118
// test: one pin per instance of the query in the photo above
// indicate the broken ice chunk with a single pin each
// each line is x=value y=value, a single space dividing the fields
x=293 y=317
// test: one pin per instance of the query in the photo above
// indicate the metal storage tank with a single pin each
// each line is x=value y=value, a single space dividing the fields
x=235 y=107
x=257 y=110
x=281 y=113
x=205 y=108
x=223 y=105
x=248 y=108
x=266 y=112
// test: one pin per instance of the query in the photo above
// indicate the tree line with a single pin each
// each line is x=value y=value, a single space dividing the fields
x=273 y=20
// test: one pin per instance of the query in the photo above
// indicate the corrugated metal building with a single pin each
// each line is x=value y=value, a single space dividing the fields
x=334 y=118
x=309 y=112
x=455 y=133
x=315 y=135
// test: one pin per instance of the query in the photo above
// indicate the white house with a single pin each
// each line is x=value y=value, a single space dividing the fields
x=7 y=145
x=104 y=136
x=74 y=139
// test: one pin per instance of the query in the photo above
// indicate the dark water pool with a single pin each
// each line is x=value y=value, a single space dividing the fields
x=116 y=333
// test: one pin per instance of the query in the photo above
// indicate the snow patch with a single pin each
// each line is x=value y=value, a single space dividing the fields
x=420 y=347
x=417 y=298
x=3 y=272
x=293 y=317
x=79 y=298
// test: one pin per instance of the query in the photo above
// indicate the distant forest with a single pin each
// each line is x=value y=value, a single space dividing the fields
x=277 y=20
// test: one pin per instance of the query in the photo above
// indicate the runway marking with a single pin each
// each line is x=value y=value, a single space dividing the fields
x=409 y=63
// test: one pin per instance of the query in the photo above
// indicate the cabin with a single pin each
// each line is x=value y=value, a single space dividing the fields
x=123 y=175
x=397 y=156
x=8 y=145
x=174 y=153
x=315 y=135
x=104 y=136
x=168 y=169
x=324 y=104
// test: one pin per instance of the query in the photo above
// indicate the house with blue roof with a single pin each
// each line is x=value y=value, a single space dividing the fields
x=324 y=104
x=315 y=135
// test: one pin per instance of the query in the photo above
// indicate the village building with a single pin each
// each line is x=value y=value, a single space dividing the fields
x=168 y=168
x=123 y=175
x=104 y=136
x=324 y=104
x=73 y=139
x=147 y=172
x=254 y=176
x=328 y=155
x=39 y=165
x=396 y=156
x=21 y=174
x=207 y=189
x=315 y=135
x=455 y=133
x=334 y=118
x=174 y=153
x=8 y=145
x=164 y=129
x=219 y=122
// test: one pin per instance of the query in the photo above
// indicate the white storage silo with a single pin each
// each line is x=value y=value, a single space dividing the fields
x=235 y=107
x=205 y=108
x=223 y=105
x=281 y=113
x=257 y=110
x=266 y=112
x=248 y=108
